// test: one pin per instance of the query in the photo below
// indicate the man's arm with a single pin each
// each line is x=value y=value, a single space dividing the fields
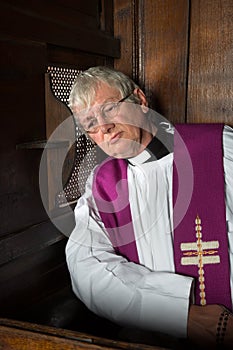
x=124 y=292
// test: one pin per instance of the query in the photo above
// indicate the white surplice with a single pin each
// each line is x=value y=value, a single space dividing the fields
x=151 y=295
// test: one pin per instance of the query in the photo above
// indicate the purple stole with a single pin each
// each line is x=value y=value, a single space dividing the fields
x=200 y=236
x=200 y=240
x=110 y=190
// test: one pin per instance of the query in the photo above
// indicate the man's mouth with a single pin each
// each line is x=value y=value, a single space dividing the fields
x=115 y=138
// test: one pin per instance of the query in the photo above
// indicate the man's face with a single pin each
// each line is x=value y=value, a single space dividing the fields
x=126 y=133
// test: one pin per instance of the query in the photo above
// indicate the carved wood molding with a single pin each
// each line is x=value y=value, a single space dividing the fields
x=138 y=42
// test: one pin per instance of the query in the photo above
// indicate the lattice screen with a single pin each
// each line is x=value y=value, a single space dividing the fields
x=62 y=80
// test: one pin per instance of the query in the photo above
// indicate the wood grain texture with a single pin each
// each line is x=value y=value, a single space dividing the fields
x=29 y=240
x=35 y=34
x=154 y=42
x=30 y=278
x=182 y=56
x=210 y=88
x=124 y=30
x=28 y=336
x=11 y=338
x=57 y=30
x=57 y=114
x=165 y=57
x=68 y=58
x=22 y=120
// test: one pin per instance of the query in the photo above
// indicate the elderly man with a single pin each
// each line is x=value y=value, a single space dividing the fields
x=127 y=255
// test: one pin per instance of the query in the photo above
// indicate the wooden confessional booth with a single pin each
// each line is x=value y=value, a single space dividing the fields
x=178 y=51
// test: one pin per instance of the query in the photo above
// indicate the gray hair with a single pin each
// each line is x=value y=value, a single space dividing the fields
x=83 y=91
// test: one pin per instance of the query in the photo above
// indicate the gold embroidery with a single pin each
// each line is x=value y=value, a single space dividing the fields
x=200 y=253
x=210 y=252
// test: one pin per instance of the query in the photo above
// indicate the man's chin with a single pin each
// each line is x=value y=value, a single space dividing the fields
x=124 y=154
x=124 y=148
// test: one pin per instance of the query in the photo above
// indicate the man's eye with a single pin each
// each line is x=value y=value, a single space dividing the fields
x=110 y=107
x=89 y=124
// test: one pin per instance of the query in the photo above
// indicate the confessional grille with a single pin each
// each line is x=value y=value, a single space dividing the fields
x=62 y=80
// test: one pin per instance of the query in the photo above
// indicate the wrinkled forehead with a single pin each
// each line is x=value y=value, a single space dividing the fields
x=87 y=112
x=96 y=95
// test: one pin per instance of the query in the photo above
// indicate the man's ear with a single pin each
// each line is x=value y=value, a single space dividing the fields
x=142 y=97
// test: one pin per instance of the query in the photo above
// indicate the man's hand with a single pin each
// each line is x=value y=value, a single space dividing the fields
x=210 y=325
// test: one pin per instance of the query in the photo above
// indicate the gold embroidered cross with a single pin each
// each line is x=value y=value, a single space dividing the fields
x=200 y=253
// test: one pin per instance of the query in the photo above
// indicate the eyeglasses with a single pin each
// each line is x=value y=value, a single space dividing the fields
x=108 y=111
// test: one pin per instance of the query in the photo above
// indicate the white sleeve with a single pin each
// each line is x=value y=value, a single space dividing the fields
x=124 y=292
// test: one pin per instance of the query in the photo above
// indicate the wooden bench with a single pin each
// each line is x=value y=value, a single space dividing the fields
x=15 y=335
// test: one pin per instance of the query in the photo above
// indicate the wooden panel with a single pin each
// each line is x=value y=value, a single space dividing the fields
x=124 y=30
x=28 y=336
x=57 y=114
x=165 y=47
x=154 y=44
x=32 y=266
x=210 y=94
x=35 y=34
x=69 y=58
x=11 y=338
x=129 y=27
x=22 y=119
x=50 y=30
x=89 y=7
x=106 y=16
x=32 y=239
x=60 y=12
x=28 y=279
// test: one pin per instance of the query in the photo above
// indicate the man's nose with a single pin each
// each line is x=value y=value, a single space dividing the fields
x=106 y=127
